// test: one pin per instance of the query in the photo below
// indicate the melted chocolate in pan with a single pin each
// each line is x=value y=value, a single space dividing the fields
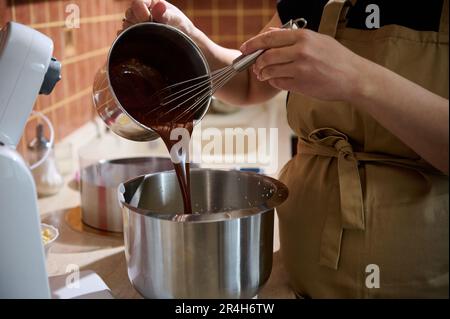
x=135 y=85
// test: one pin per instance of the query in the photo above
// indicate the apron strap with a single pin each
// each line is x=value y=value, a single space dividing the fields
x=330 y=142
x=334 y=12
x=443 y=26
x=336 y=144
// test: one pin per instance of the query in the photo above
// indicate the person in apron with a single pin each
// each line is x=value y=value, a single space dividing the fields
x=366 y=216
x=367 y=213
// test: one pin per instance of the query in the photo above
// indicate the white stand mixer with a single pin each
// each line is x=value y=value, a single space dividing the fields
x=26 y=70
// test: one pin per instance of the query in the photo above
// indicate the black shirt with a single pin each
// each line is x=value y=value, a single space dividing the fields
x=421 y=15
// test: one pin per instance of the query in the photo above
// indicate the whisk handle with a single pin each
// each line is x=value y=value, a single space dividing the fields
x=242 y=62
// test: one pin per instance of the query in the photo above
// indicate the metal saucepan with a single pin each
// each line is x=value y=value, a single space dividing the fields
x=99 y=204
x=163 y=48
x=224 y=250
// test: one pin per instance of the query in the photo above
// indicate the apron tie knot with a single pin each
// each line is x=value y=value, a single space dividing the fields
x=343 y=147
x=330 y=142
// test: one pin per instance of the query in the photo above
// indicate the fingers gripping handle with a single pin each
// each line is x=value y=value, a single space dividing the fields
x=242 y=62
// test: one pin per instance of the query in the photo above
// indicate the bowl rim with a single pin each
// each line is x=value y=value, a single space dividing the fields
x=280 y=194
x=54 y=230
x=120 y=162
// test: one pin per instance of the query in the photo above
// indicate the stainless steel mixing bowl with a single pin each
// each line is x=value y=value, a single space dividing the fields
x=99 y=204
x=223 y=251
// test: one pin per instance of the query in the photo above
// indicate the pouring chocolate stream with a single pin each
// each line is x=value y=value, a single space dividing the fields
x=147 y=97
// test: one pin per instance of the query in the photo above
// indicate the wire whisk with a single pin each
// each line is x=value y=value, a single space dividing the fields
x=187 y=97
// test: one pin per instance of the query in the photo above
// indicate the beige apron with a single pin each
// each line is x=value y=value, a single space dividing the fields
x=360 y=200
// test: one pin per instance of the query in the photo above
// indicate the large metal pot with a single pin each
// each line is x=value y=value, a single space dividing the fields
x=99 y=205
x=161 y=47
x=223 y=251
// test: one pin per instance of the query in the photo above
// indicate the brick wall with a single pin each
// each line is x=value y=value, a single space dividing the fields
x=83 y=51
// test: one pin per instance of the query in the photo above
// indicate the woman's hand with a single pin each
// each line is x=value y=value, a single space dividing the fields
x=242 y=89
x=161 y=11
x=317 y=65
x=306 y=62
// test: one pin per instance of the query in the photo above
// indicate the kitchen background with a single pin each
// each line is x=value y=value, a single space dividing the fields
x=83 y=50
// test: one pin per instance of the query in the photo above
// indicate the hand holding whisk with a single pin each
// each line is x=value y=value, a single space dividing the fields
x=193 y=93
